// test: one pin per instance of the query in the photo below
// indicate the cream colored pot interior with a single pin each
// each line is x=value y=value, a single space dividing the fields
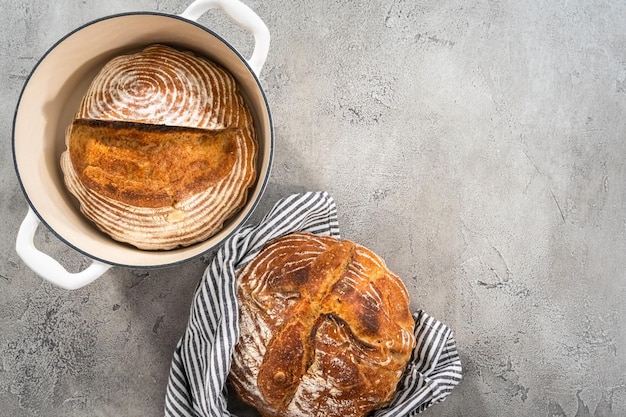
x=52 y=95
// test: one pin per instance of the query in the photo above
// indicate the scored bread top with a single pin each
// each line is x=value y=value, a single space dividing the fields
x=149 y=165
x=325 y=329
x=162 y=150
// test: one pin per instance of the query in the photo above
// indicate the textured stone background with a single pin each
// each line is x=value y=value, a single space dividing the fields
x=478 y=146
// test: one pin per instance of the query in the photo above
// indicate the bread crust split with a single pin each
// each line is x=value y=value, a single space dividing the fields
x=162 y=150
x=149 y=165
x=326 y=329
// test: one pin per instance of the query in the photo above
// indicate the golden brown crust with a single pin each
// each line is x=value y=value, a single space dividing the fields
x=326 y=329
x=149 y=165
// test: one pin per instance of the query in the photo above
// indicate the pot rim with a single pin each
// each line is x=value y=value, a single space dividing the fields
x=264 y=181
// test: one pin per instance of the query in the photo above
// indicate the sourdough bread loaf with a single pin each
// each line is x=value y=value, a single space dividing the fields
x=162 y=150
x=325 y=327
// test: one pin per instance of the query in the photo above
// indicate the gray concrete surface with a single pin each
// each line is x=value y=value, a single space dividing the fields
x=478 y=146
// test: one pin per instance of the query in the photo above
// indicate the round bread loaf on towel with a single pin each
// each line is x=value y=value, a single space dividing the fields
x=162 y=150
x=326 y=329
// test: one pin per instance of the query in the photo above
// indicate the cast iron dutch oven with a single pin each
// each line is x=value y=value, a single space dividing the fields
x=51 y=96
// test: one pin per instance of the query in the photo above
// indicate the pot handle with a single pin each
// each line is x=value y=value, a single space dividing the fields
x=47 y=267
x=244 y=17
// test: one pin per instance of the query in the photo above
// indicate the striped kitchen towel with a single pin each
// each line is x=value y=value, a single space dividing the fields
x=202 y=359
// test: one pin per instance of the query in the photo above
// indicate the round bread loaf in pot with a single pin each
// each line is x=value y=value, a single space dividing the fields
x=162 y=150
x=326 y=329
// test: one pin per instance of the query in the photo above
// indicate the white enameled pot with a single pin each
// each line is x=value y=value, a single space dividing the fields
x=51 y=96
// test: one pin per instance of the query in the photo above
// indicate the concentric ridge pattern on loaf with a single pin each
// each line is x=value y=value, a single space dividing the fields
x=164 y=86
